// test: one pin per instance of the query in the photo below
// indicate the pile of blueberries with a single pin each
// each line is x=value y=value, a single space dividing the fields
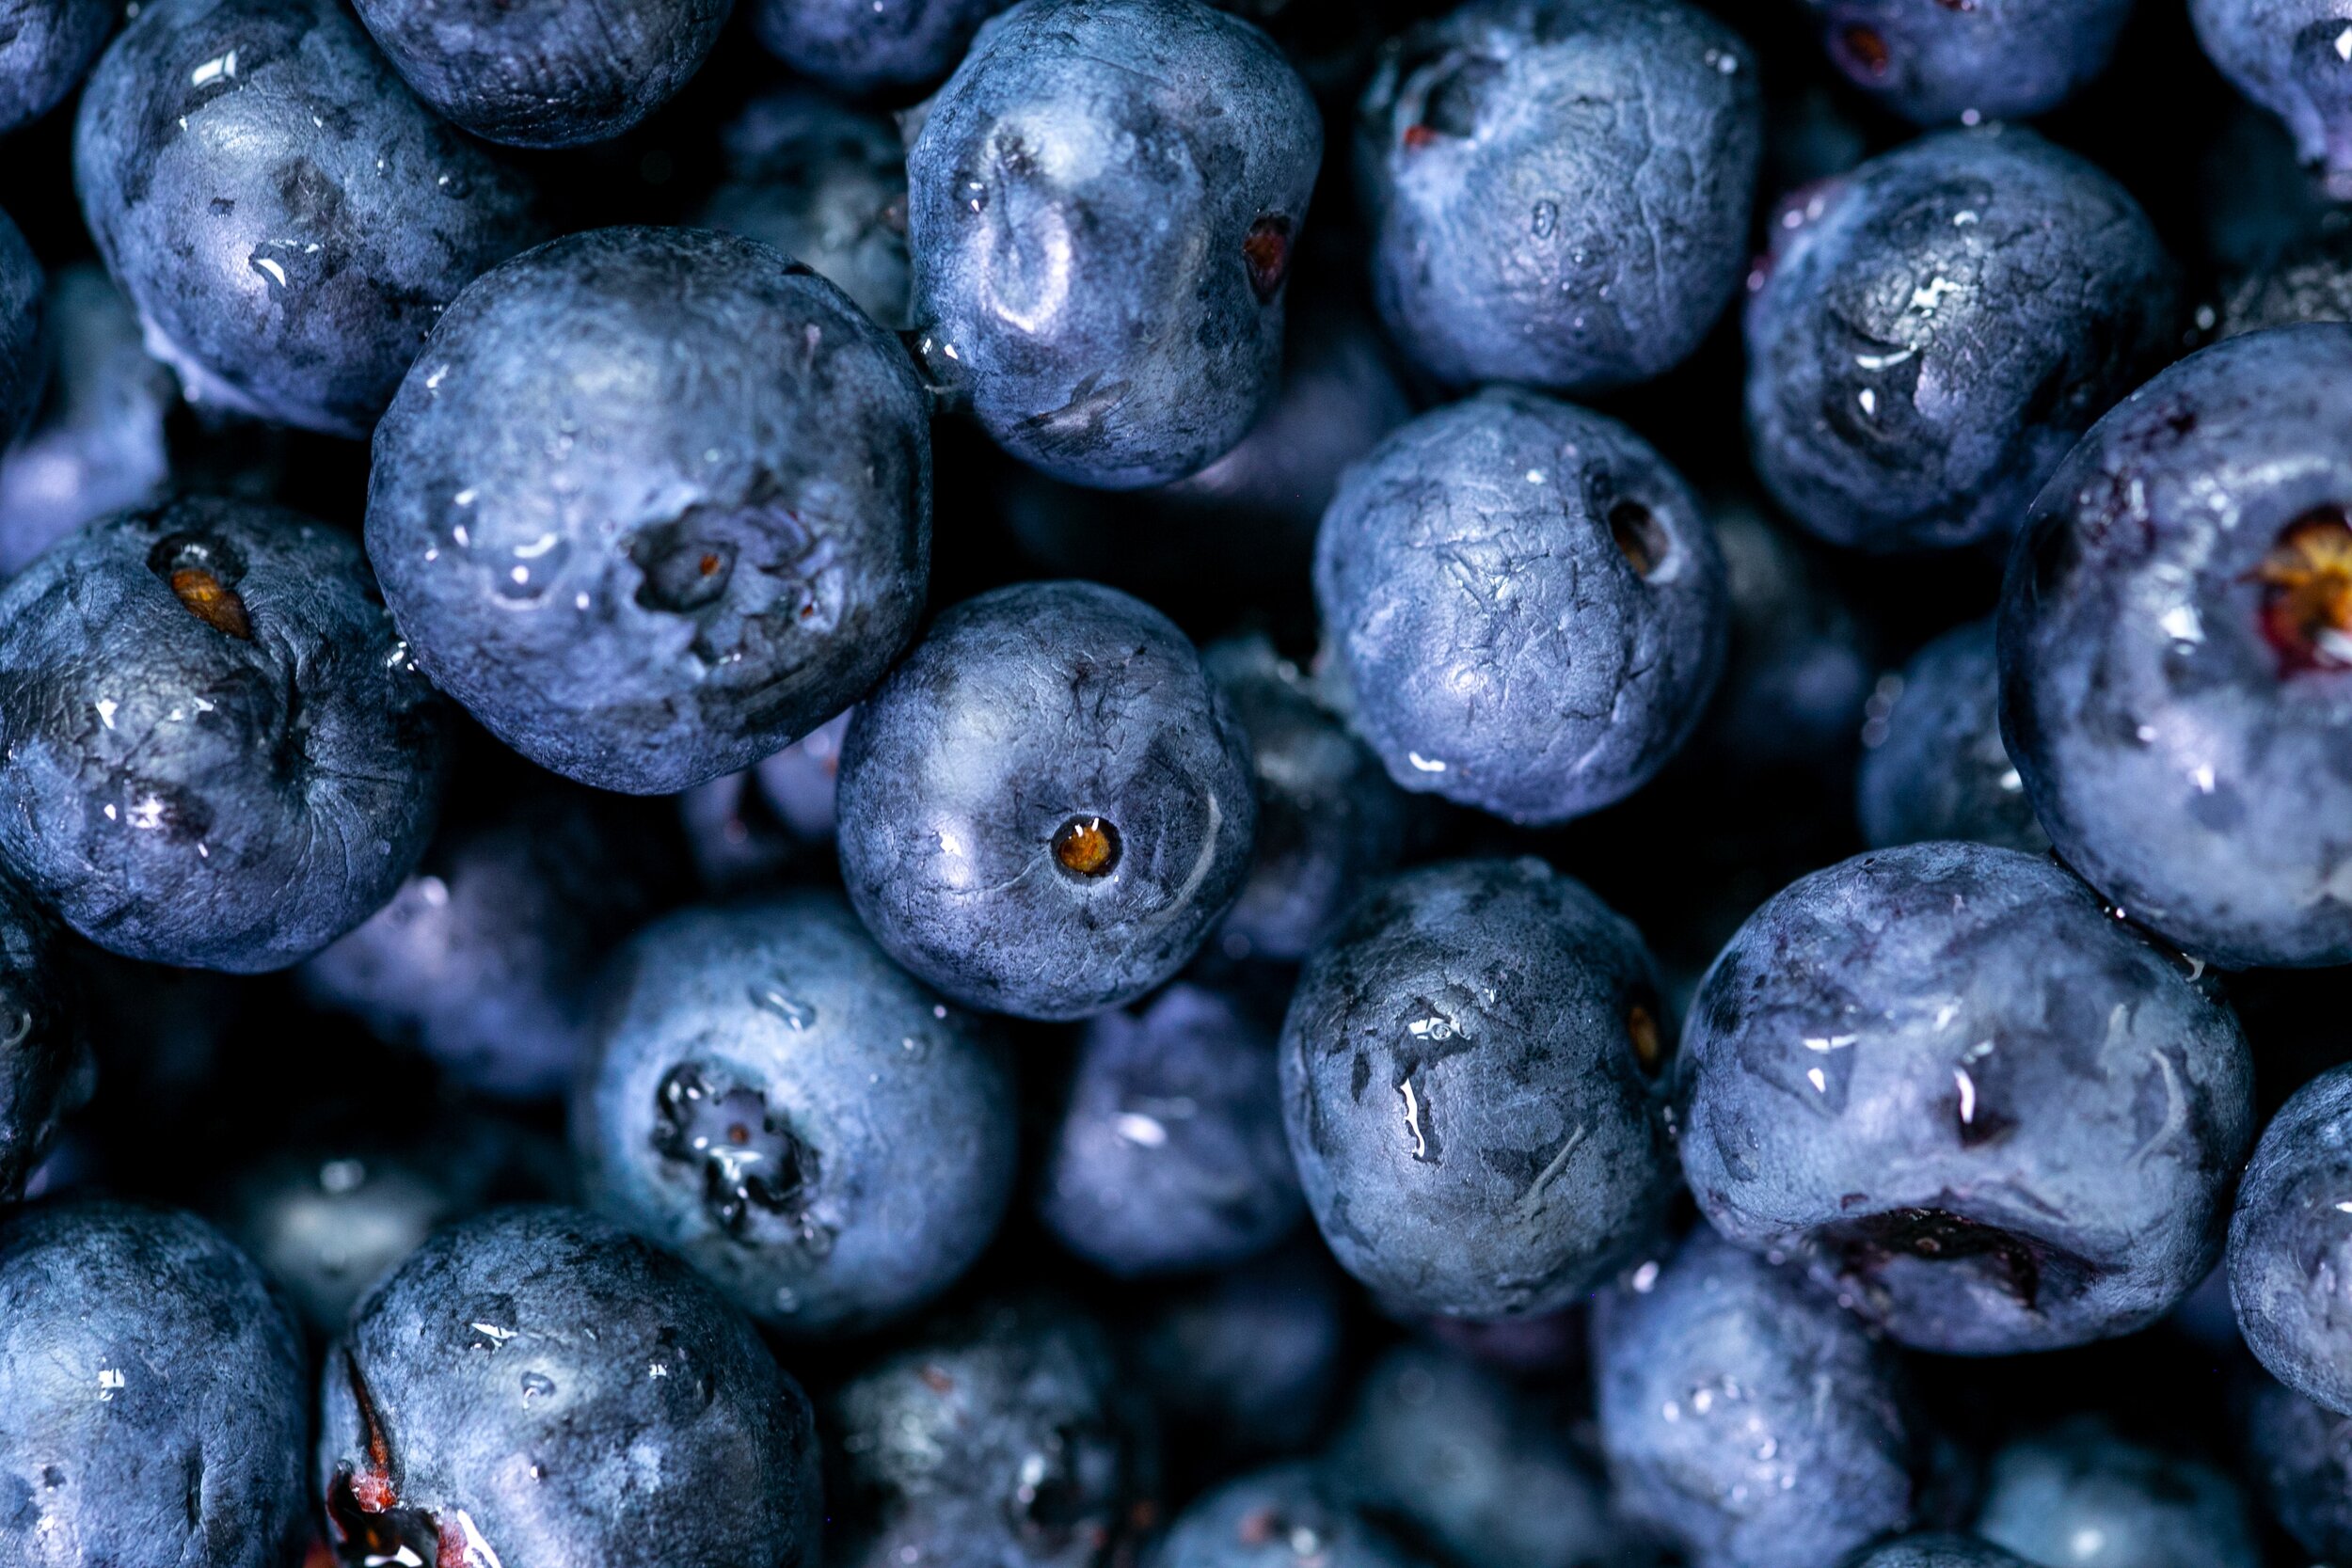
x=1139 y=784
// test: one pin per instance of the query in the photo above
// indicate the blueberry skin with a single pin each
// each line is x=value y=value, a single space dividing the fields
x=291 y=248
x=1024 y=715
x=22 y=285
x=45 y=46
x=486 y=957
x=1169 y=1156
x=1245 y=1363
x=215 y=750
x=1001 y=1439
x=1937 y=1551
x=1934 y=63
x=1103 y=204
x=546 y=73
x=1746 y=1416
x=2173 y=653
x=1526 y=602
x=1938 y=329
x=782 y=1020
x=1465 y=1084
x=2307 y=280
x=826 y=185
x=1329 y=822
x=153 y=1400
x=499 y=1391
x=95 y=442
x=2290 y=1247
x=2299 y=1461
x=2283 y=55
x=859 y=46
x=1800 y=664
x=653 y=504
x=745 y=829
x=1560 y=188
x=1447 y=1455
x=45 y=1064
x=1986 y=1113
x=2048 y=1499
x=1277 y=1518
x=1935 y=767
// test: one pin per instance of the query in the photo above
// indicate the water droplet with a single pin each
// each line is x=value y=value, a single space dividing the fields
x=537 y=1387
x=773 y=998
x=1545 y=219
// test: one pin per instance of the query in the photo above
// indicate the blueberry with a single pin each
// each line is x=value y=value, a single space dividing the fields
x=1329 y=822
x=535 y=1385
x=870 y=45
x=2081 y=1497
x=1467 y=1085
x=45 y=46
x=215 y=750
x=45 y=1063
x=1560 y=188
x=1000 y=1439
x=485 y=957
x=1245 y=1363
x=288 y=219
x=752 y=1101
x=1745 y=1416
x=1936 y=61
x=2291 y=1244
x=1170 y=1154
x=2298 y=1460
x=1282 y=1518
x=1526 y=604
x=2293 y=57
x=654 y=504
x=95 y=443
x=1934 y=331
x=1987 y=1115
x=826 y=185
x=1103 y=200
x=21 y=312
x=1935 y=766
x=2308 y=281
x=547 y=74
x=1801 y=663
x=1047 y=809
x=2175 y=632
x=1937 y=1551
x=153 y=1402
x=745 y=829
x=1448 y=1456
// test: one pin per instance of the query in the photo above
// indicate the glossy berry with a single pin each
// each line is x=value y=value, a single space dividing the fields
x=535 y=1385
x=1934 y=331
x=45 y=1063
x=1935 y=766
x=2299 y=1461
x=291 y=244
x=1524 y=603
x=2082 y=1497
x=45 y=46
x=1283 y=1517
x=2289 y=57
x=869 y=45
x=217 y=752
x=1468 y=1084
x=2176 y=652
x=153 y=1400
x=2291 y=1244
x=1987 y=1115
x=1560 y=190
x=653 y=504
x=752 y=1102
x=544 y=72
x=1046 y=808
x=1937 y=61
x=1103 y=204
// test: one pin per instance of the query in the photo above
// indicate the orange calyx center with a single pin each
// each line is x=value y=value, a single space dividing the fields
x=1649 y=1047
x=2306 y=592
x=211 y=601
x=1867 y=49
x=1086 y=847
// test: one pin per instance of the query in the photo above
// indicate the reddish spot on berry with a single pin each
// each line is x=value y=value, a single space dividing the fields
x=1268 y=252
x=2306 y=592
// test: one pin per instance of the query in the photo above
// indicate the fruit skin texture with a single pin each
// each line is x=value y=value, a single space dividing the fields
x=2290 y=1247
x=1937 y=1551
x=189 y=793
x=1937 y=768
x=289 y=250
x=894 y=1116
x=1257 y=1520
x=1938 y=329
x=862 y=46
x=154 y=1405
x=22 y=309
x=1525 y=603
x=1987 y=1115
x=1933 y=61
x=500 y=1386
x=1746 y=1416
x=1464 y=1092
x=2284 y=55
x=544 y=72
x=49 y=45
x=45 y=1064
x=2298 y=1460
x=2083 y=1496
x=1023 y=711
x=1102 y=203
x=573 y=563
x=1560 y=188
x=2180 y=710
